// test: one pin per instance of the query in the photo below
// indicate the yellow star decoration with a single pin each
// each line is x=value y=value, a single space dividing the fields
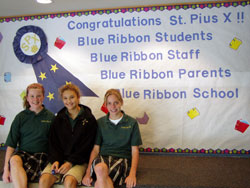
x=51 y=96
x=42 y=75
x=53 y=68
x=68 y=82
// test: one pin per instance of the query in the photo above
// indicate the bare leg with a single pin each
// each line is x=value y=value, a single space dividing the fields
x=70 y=182
x=46 y=181
x=18 y=174
x=102 y=176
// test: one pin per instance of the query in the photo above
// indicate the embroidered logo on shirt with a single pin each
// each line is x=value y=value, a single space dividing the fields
x=45 y=121
x=84 y=122
x=126 y=127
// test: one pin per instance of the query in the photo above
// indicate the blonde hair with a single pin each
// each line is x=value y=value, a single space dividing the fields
x=115 y=92
x=31 y=86
x=71 y=87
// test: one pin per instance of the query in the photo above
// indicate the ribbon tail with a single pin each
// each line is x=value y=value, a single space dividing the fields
x=52 y=76
x=61 y=76
x=52 y=100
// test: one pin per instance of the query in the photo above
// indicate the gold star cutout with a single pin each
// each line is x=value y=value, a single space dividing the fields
x=51 y=96
x=68 y=82
x=42 y=75
x=53 y=68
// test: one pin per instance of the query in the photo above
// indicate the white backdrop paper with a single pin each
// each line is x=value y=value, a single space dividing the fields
x=165 y=63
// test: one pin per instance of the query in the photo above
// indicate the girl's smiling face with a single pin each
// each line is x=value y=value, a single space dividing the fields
x=70 y=100
x=114 y=107
x=35 y=98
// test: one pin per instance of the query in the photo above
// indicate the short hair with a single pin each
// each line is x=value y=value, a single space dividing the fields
x=71 y=87
x=115 y=92
x=31 y=86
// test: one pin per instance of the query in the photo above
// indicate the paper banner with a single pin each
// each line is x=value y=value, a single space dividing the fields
x=193 y=113
x=144 y=119
x=241 y=126
x=60 y=42
x=7 y=77
x=2 y=120
x=104 y=108
x=235 y=43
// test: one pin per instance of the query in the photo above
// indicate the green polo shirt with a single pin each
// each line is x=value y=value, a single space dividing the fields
x=117 y=140
x=30 y=131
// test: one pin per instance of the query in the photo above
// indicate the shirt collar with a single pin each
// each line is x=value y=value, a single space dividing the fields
x=122 y=120
x=79 y=114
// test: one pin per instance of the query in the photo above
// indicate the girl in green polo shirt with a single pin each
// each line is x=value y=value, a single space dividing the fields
x=114 y=158
x=27 y=141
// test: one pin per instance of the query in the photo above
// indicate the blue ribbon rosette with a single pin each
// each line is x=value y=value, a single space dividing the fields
x=30 y=46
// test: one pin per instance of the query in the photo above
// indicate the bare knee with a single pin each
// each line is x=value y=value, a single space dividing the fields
x=46 y=179
x=101 y=169
x=70 y=181
x=102 y=175
x=16 y=161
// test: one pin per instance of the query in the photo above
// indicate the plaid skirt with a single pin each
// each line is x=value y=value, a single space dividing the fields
x=118 y=168
x=33 y=164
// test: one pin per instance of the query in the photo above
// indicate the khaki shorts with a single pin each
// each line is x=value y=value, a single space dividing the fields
x=76 y=171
